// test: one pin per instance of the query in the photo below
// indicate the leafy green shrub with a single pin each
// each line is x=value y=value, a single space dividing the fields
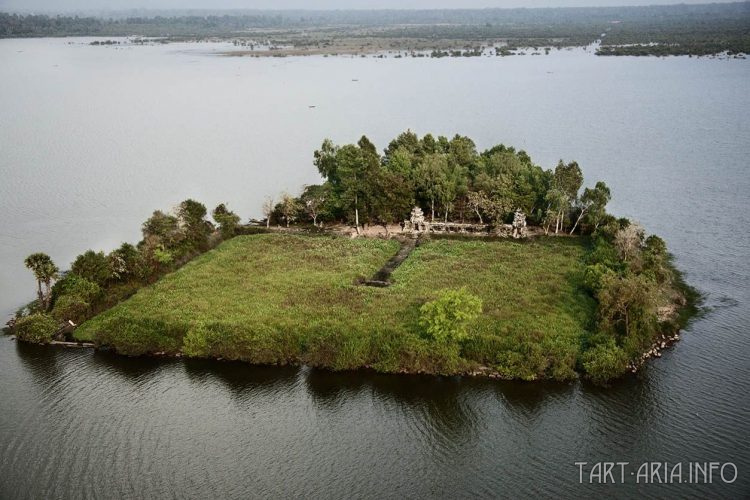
x=71 y=307
x=125 y=261
x=523 y=357
x=604 y=362
x=446 y=318
x=94 y=266
x=73 y=284
x=73 y=297
x=594 y=275
x=561 y=358
x=627 y=306
x=38 y=328
x=227 y=221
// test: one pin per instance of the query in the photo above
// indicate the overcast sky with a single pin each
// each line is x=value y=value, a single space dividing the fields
x=67 y=5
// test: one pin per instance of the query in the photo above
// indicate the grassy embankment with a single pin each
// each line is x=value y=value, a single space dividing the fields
x=290 y=299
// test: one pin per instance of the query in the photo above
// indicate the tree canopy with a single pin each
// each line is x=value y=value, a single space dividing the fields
x=451 y=180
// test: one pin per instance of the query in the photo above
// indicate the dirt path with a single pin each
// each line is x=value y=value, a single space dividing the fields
x=382 y=278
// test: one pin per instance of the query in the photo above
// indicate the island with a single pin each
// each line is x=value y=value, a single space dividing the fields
x=430 y=257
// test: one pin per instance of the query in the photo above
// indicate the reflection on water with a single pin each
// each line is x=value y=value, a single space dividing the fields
x=300 y=431
x=41 y=362
x=240 y=379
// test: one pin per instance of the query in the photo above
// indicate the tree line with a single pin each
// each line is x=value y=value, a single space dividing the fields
x=676 y=29
x=448 y=178
x=97 y=281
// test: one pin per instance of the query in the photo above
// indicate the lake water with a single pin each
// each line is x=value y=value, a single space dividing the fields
x=92 y=139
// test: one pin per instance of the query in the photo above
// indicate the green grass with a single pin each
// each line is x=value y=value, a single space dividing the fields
x=294 y=299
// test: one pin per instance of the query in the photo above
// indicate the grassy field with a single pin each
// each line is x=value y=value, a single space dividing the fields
x=289 y=299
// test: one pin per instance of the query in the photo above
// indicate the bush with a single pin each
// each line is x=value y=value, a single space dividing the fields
x=594 y=275
x=73 y=284
x=94 y=266
x=71 y=307
x=38 y=328
x=604 y=362
x=72 y=298
x=446 y=318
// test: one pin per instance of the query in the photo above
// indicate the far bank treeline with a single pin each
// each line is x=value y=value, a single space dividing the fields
x=638 y=292
x=636 y=30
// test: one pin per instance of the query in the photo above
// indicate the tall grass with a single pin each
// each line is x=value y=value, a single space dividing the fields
x=294 y=299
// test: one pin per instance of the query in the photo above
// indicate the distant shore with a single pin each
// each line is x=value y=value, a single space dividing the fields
x=696 y=30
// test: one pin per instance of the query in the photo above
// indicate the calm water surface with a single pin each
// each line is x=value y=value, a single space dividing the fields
x=92 y=139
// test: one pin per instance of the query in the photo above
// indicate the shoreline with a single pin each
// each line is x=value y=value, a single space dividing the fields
x=665 y=342
x=666 y=339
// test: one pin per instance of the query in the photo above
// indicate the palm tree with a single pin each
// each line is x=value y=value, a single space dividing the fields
x=44 y=271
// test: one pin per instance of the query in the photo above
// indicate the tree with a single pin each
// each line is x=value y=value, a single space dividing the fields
x=289 y=207
x=592 y=204
x=401 y=161
x=314 y=199
x=93 y=266
x=356 y=166
x=446 y=319
x=478 y=202
x=124 y=261
x=268 y=208
x=72 y=297
x=452 y=184
x=392 y=198
x=38 y=328
x=430 y=178
x=192 y=217
x=655 y=259
x=44 y=271
x=628 y=241
x=627 y=305
x=567 y=180
x=463 y=151
x=227 y=220
x=326 y=160
x=407 y=142
x=557 y=203
x=163 y=228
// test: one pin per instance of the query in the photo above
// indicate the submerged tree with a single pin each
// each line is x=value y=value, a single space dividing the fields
x=44 y=271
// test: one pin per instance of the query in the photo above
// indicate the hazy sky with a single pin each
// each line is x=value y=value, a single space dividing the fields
x=66 y=5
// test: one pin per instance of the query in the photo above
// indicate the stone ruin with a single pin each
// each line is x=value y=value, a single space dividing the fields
x=519 y=224
x=416 y=222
